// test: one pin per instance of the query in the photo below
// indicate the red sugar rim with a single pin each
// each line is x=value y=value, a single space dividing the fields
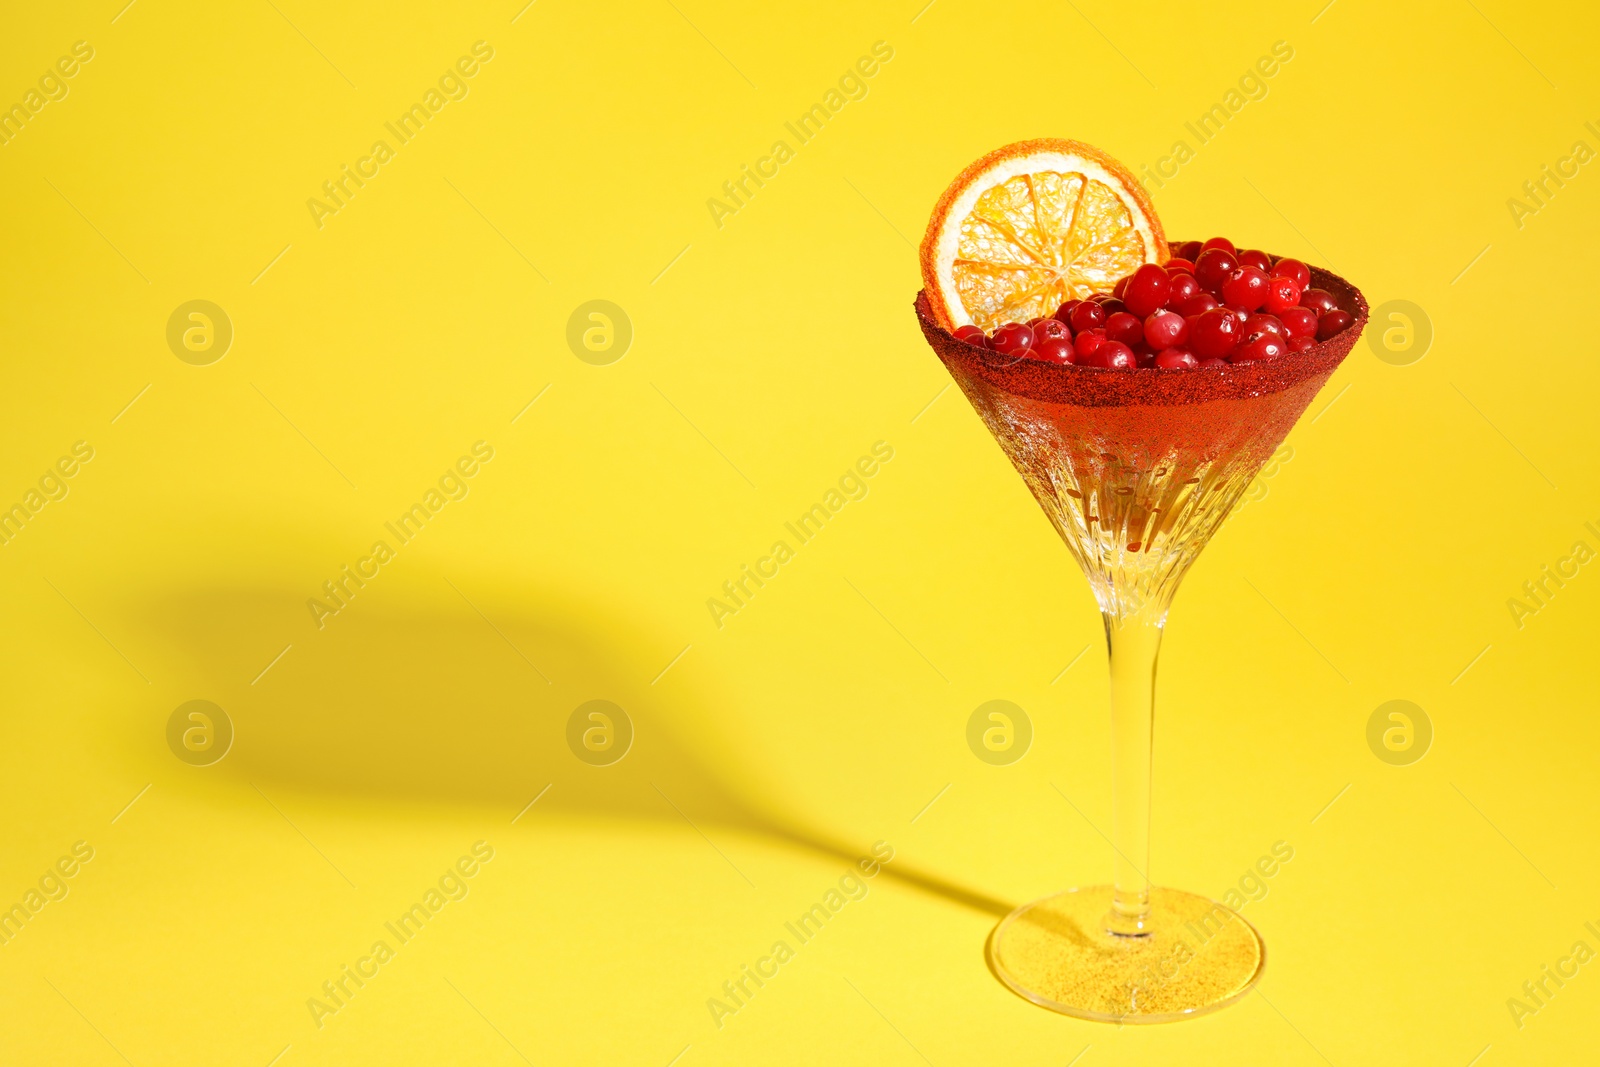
x=1100 y=387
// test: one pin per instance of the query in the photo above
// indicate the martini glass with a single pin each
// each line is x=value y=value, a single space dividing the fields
x=1136 y=470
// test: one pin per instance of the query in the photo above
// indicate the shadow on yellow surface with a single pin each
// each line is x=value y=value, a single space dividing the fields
x=445 y=706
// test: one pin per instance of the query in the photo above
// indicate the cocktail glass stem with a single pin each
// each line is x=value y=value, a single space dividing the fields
x=1132 y=643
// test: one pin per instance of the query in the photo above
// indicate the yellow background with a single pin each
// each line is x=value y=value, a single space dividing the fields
x=768 y=355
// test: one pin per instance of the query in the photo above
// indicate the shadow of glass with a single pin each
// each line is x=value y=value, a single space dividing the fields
x=468 y=702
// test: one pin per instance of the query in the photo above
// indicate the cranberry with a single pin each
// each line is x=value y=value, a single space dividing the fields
x=1219 y=242
x=1064 y=312
x=1087 y=315
x=971 y=334
x=1213 y=268
x=1163 y=329
x=1087 y=342
x=1245 y=288
x=1112 y=305
x=1198 y=304
x=1176 y=359
x=1050 y=329
x=1115 y=355
x=1101 y=298
x=1148 y=289
x=1214 y=333
x=1179 y=265
x=1012 y=339
x=1189 y=250
x=1053 y=350
x=1300 y=344
x=1299 y=321
x=1120 y=288
x=1213 y=362
x=1293 y=268
x=1259 y=324
x=1319 y=300
x=1267 y=346
x=1273 y=346
x=1124 y=327
x=1332 y=322
x=1254 y=257
x=1183 y=287
x=1282 y=294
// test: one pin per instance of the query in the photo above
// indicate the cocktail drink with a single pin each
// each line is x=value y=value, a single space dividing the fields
x=1136 y=445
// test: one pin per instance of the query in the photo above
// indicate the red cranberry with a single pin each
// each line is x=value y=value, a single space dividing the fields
x=1213 y=362
x=1245 y=288
x=1219 y=242
x=1176 y=359
x=1053 y=350
x=1124 y=327
x=1163 y=329
x=1120 y=288
x=1115 y=355
x=1254 y=257
x=1178 y=265
x=1282 y=294
x=1300 y=344
x=1198 y=304
x=971 y=334
x=1087 y=316
x=1332 y=322
x=1183 y=287
x=1112 y=305
x=1047 y=329
x=1299 y=322
x=1087 y=342
x=1064 y=312
x=1214 y=333
x=1258 y=324
x=1012 y=339
x=1147 y=289
x=1093 y=358
x=1319 y=300
x=1213 y=268
x=1293 y=268
x=1273 y=346
x=1267 y=346
x=1189 y=250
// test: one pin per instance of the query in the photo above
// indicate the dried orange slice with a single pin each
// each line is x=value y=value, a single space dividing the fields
x=1030 y=226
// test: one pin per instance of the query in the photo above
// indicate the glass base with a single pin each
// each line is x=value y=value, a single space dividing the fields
x=1198 y=956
